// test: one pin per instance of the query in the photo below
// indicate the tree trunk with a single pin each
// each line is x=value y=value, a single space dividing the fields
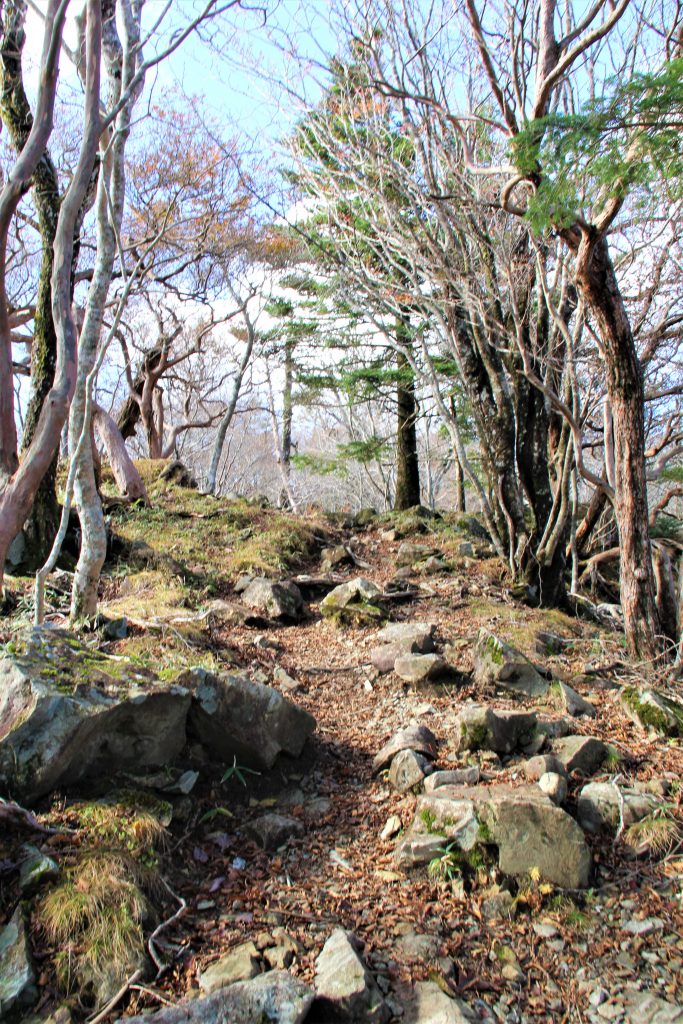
x=287 y=416
x=598 y=283
x=19 y=483
x=407 y=462
x=43 y=520
x=460 y=503
x=128 y=480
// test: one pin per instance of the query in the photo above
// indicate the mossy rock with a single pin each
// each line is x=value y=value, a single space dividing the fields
x=653 y=711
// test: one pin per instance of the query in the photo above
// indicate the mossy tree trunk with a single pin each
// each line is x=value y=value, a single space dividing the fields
x=41 y=526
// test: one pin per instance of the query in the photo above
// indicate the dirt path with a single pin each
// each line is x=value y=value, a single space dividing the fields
x=341 y=872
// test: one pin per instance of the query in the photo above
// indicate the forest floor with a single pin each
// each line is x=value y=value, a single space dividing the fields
x=581 y=955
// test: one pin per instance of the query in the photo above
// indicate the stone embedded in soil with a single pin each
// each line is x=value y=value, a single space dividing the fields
x=537 y=766
x=276 y=997
x=392 y=827
x=240 y=964
x=273 y=830
x=413 y=554
x=653 y=711
x=584 y=754
x=575 y=704
x=407 y=770
x=497 y=663
x=384 y=658
x=234 y=717
x=68 y=713
x=554 y=786
x=415 y=737
x=345 y=989
x=333 y=557
x=280 y=600
x=413 y=945
x=419 y=668
x=17 y=978
x=354 y=603
x=430 y=1005
x=602 y=805
x=479 y=727
x=414 y=850
x=418 y=636
x=645 y=1008
x=36 y=869
x=454 y=777
x=529 y=831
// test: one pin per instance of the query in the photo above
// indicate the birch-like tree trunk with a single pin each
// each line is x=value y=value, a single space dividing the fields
x=122 y=62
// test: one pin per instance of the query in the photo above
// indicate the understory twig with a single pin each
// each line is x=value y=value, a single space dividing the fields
x=158 y=963
x=115 y=998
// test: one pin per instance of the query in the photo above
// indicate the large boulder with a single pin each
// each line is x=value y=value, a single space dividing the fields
x=355 y=603
x=275 y=997
x=236 y=718
x=69 y=713
x=482 y=728
x=499 y=664
x=522 y=822
x=345 y=989
x=274 y=600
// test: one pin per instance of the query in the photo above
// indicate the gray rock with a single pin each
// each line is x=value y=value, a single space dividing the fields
x=414 y=946
x=529 y=831
x=284 y=680
x=384 y=658
x=539 y=765
x=419 y=668
x=417 y=636
x=355 y=602
x=532 y=834
x=17 y=978
x=450 y=814
x=601 y=805
x=275 y=997
x=653 y=711
x=392 y=827
x=431 y=1005
x=482 y=728
x=433 y=565
x=645 y=1008
x=466 y=549
x=36 y=869
x=414 y=850
x=69 y=713
x=584 y=754
x=454 y=777
x=240 y=964
x=498 y=905
x=332 y=557
x=496 y=663
x=274 y=600
x=234 y=717
x=415 y=737
x=575 y=704
x=273 y=830
x=407 y=770
x=554 y=786
x=345 y=989
x=554 y=728
x=365 y=517
x=412 y=554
